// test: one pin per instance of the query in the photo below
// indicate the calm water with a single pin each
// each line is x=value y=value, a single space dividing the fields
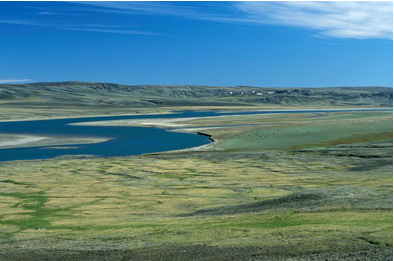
x=125 y=140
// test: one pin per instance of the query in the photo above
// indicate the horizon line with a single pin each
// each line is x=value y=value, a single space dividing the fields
x=199 y=85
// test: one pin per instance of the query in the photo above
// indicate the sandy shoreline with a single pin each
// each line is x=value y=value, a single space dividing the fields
x=87 y=116
x=160 y=123
x=18 y=141
x=9 y=141
x=176 y=123
x=173 y=124
x=172 y=111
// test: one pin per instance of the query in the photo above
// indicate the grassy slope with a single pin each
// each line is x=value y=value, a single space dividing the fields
x=328 y=196
x=43 y=100
x=330 y=130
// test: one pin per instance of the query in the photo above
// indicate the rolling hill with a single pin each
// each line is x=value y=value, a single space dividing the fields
x=108 y=94
x=70 y=99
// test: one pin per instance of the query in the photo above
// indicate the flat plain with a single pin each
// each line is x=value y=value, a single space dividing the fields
x=305 y=186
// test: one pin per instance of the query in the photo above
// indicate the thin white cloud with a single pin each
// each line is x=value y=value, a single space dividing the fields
x=14 y=80
x=152 y=8
x=46 y=13
x=84 y=27
x=360 y=20
x=114 y=31
x=21 y=22
x=341 y=19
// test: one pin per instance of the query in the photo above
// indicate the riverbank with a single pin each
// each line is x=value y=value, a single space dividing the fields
x=157 y=123
x=19 y=114
x=296 y=187
x=217 y=127
x=313 y=204
x=181 y=121
x=8 y=141
x=54 y=117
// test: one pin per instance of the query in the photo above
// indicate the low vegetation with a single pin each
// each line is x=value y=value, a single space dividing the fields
x=324 y=194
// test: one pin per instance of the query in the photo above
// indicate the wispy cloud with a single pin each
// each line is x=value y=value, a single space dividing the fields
x=14 y=80
x=199 y=10
x=114 y=31
x=46 y=13
x=343 y=19
x=83 y=27
x=22 y=22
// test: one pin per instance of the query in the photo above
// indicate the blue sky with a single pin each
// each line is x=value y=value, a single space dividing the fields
x=299 y=44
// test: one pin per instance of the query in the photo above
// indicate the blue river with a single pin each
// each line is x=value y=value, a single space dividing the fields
x=124 y=140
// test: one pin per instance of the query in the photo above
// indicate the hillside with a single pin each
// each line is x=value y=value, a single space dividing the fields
x=69 y=98
x=104 y=94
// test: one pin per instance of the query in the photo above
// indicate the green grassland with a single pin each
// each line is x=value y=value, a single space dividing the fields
x=294 y=131
x=295 y=186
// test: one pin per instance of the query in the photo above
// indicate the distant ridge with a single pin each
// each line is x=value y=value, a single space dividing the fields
x=94 y=94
